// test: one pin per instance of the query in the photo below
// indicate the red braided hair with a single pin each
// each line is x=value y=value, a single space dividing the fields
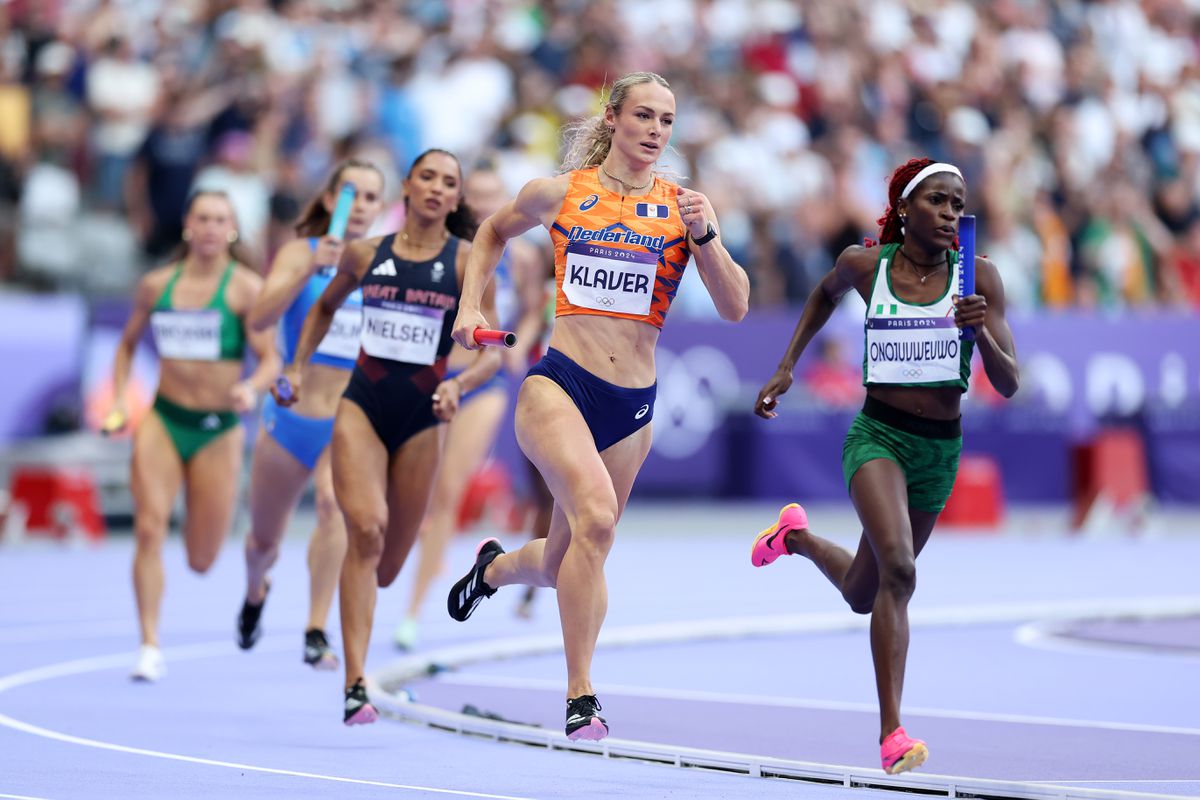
x=889 y=223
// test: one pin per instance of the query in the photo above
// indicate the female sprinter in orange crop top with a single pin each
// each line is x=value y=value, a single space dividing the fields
x=622 y=238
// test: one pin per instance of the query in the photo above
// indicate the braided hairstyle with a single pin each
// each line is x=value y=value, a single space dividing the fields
x=889 y=224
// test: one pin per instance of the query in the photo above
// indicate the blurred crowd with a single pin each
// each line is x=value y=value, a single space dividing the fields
x=1076 y=124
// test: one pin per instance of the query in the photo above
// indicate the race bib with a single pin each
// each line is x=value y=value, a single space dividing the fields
x=402 y=332
x=341 y=341
x=187 y=335
x=609 y=278
x=912 y=350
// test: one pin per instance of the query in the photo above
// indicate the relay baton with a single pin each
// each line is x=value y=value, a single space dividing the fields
x=283 y=387
x=966 y=270
x=113 y=423
x=489 y=336
x=341 y=211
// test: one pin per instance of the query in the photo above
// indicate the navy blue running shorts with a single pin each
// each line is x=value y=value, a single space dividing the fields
x=611 y=412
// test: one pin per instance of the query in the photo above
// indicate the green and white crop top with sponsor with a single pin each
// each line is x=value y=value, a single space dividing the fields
x=913 y=344
x=211 y=333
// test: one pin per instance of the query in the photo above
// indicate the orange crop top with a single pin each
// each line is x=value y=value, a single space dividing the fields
x=618 y=256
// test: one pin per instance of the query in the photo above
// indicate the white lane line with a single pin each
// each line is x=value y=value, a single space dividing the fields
x=116 y=660
x=20 y=797
x=1138 y=780
x=507 y=682
x=1046 y=636
x=185 y=653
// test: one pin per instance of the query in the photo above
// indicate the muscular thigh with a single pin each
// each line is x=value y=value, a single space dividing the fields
x=555 y=437
x=276 y=481
x=880 y=495
x=410 y=482
x=212 y=479
x=468 y=440
x=156 y=473
x=470 y=435
x=622 y=461
x=360 y=466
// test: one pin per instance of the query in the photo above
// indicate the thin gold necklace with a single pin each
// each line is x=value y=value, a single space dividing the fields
x=913 y=264
x=626 y=184
x=405 y=238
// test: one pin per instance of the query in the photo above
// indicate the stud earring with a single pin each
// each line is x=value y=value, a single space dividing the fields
x=232 y=237
x=187 y=236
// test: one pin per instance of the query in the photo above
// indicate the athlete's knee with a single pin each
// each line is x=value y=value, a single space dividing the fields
x=201 y=561
x=898 y=575
x=327 y=506
x=150 y=530
x=385 y=574
x=260 y=545
x=366 y=534
x=860 y=602
x=595 y=527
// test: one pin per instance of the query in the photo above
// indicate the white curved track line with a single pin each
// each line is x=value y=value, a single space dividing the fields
x=543 y=684
x=1042 y=636
x=1195 y=780
x=184 y=653
x=387 y=692
x=19 y=797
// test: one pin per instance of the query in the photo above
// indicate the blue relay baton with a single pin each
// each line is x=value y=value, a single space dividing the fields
x=341 y=211
x=283 y=387
x=966 y=270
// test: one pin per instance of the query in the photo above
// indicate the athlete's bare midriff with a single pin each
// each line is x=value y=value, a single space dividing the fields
x=620 y=351
x=199 y=385
x=323 y=388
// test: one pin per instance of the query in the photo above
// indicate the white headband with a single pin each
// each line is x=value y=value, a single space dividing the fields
x=932 y=169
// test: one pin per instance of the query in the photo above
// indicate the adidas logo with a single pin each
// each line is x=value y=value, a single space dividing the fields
x=386 y=268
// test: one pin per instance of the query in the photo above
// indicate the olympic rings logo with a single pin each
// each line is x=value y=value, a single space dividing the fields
x=914 y=372
x=606 y=300
x=696 y=390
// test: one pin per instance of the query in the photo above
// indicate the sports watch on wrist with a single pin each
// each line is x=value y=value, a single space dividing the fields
x=708 y=237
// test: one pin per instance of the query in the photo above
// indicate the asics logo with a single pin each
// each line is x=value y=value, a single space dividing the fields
x=210 y=422
x=386 y=268
x=643 y=411
x=589 y=201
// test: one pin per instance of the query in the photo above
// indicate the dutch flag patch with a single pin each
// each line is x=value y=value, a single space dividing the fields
x=653 y=210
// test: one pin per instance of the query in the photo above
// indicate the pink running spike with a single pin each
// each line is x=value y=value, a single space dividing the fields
x=769 y=544
x=900 y=753
x=364 y=716
x=594 y=731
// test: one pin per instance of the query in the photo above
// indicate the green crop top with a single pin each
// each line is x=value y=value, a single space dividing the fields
x=211 y=333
